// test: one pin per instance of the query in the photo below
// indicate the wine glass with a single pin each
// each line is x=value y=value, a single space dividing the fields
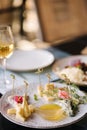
x=6 y=49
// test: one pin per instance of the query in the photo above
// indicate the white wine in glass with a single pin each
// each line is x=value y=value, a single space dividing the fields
x=6 y=48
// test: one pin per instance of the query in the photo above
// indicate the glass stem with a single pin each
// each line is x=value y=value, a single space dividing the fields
x=4 y=70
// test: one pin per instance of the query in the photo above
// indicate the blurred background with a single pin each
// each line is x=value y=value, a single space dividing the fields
x=58 y=23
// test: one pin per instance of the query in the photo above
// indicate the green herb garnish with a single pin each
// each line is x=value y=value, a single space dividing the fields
x=35 y=97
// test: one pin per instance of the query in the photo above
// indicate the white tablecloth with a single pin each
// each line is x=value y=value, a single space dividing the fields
x=32 y=76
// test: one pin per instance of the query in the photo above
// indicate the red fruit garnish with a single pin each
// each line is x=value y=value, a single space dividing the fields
x=76 y=63
x=18 y=99
x=63 y=94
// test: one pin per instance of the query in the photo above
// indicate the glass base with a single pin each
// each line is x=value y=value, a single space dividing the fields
x=5 y=80
x=5 y=84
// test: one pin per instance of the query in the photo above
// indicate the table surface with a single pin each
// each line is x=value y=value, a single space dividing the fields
x=30 y=77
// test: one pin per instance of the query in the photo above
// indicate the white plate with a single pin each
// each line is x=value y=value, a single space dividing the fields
x=60 y=64
x=36 y=121
x=29 y=60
